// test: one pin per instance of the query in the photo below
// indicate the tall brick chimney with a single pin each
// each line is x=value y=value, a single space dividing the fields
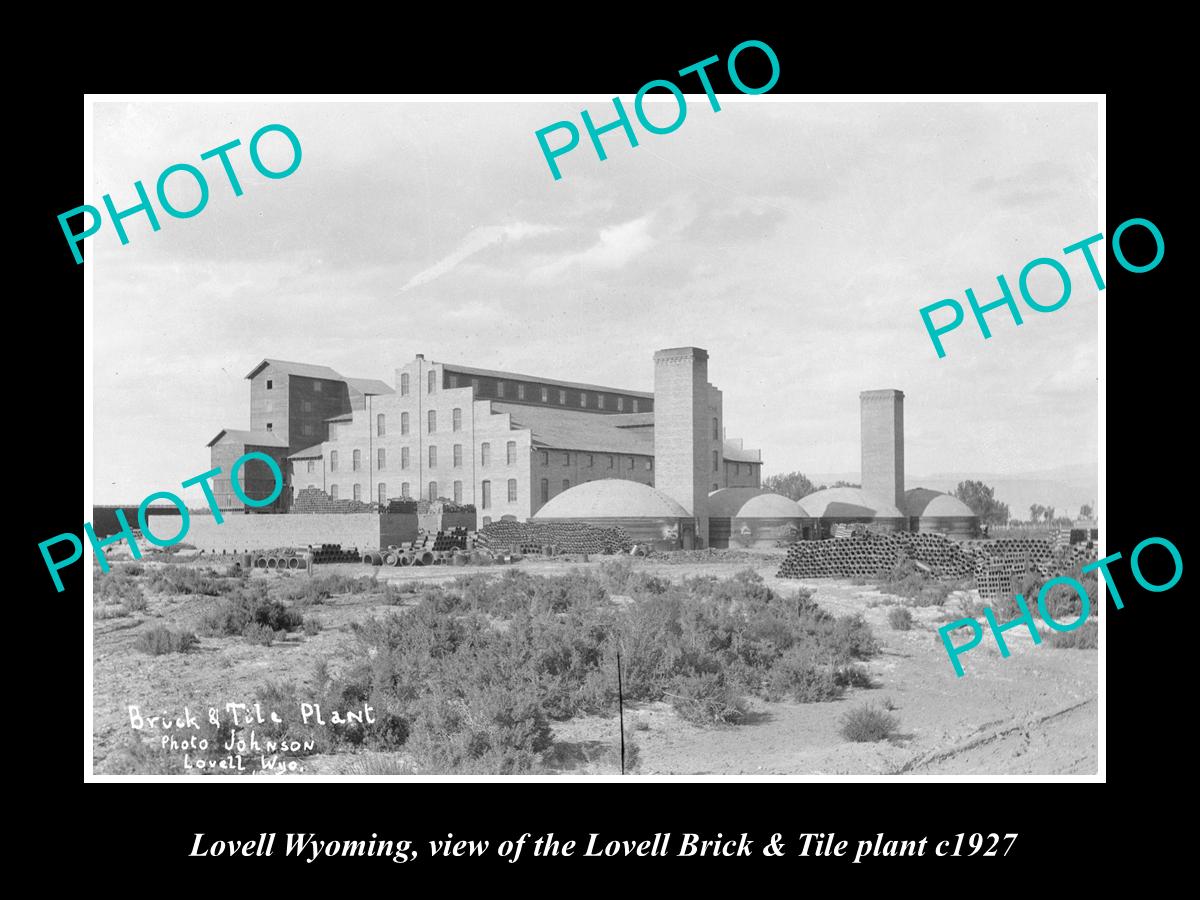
x=883 y=445
x=682 y=425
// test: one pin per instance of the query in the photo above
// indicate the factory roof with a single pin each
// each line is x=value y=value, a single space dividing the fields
x=847 y=502
x=926 y=502
x=611 y=498
x=370 y=386
x=771 y=506
x=493 y=373
x=727 y=501
x=250 y=438
x=313 y=452
x=306 y=370
x=735 y=452
x=571 y=430
x=632 y=420
x=341 y=417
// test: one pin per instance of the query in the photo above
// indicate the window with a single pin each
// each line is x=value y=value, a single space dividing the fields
x=591 y=460
x=333 y=460
x=404 y=423
x=357 y=490
x=306 y=406
x=306 y=429
x=649 y=465
x=545 y=490
x=485 y=454
x=310 y=465
x=475 y=385
x=381 y=458
x=716 y=429
x=404 y=457
x=545 y=457
x=599 y=401
x=356 y=460
x=631 y=462
x=269 y=426
x=432 y=421
x=453 y=381
x=567 y=458
x=545 y=395
x=332 y=431
x=566 y=483
x=458 y=492
x=432 y=381
x=382 y=493
x=620 y=404
x=404 y=489
x=635 y=404
x=432 y=459
x=380 y=425
x=433 y=490
x=270 y=384
x=520 y=392
x=512 y=490
x=486 y=487
x=457 y=455
x=499 y=388
x=716 y=488
x=716 y=461
x=562 y=397
x=510 y=452
x=611 y=461
x=317 y=387
x=582 y=399
x=403 y=384
x=456 y=420
x=333 y=492
x=487 y=520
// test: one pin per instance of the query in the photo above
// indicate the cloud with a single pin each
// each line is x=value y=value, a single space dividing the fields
x=615 y=247
x=478 y=239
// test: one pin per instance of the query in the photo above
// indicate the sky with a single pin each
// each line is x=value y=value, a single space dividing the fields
x=796 y=242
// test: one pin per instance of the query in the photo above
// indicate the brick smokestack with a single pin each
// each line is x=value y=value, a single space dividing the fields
x=883 y=445
x=682 y=425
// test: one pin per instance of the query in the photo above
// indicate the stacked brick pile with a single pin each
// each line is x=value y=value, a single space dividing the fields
x=864 y=553
x=1001 y=565
x=442 y=505
x=333 y=553
x=402 y=505
x=564 y=537
x=315 y=500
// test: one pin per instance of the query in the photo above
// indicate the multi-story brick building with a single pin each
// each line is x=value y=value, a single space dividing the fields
x=290 y=408
x=505 y=442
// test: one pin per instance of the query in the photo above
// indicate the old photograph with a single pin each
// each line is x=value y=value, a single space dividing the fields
x=492 y=437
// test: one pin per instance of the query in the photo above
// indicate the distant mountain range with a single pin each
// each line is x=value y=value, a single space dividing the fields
x=1066 y=488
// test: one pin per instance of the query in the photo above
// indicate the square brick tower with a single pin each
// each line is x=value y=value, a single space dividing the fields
x=883 y=445
x=682 y=431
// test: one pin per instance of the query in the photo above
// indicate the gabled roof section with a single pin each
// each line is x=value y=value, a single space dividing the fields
x=252 y=438
x=314 y=452
x=305 y=370
x=372 y=386
x=513 y=376
x=735 y=452
x=562 y=429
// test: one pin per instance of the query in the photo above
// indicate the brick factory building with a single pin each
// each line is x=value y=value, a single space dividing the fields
x=505 y=442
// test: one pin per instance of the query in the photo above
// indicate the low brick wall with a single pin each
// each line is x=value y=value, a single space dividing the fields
x=244 y=533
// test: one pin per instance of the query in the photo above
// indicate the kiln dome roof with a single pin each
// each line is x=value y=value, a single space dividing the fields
x=611 y=498
x=833 y=503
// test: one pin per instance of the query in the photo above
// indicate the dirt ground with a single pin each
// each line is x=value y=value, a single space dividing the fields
x=1033 y=713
